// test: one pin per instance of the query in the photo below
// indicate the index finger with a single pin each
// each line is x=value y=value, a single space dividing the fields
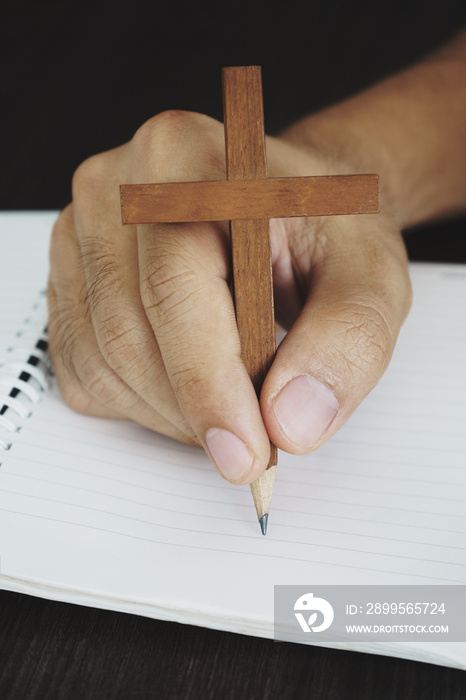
x=186 y=296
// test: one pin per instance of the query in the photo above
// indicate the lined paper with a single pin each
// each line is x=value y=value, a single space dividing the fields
x=109 y=514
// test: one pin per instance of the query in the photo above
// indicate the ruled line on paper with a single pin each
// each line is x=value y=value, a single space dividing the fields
x=227 y=488
x=80 y=440
x=375 y=464
x=345 y=441
x=216 y=518
x=365 y=475
x=190 y=498
x=404 y=431
x=56 y=409
x=240 y=537
x=246 y=504
x=244 y=553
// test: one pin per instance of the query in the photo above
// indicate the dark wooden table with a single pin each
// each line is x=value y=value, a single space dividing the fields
x=59 y=651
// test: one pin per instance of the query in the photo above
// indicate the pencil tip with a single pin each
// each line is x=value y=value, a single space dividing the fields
x=263 y=523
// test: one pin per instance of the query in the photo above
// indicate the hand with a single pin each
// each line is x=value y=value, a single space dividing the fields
x=142 y=323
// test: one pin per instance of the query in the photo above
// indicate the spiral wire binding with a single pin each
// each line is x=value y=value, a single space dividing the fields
x=24 y=375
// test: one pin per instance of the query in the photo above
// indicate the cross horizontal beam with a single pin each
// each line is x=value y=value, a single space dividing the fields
x=226 y=200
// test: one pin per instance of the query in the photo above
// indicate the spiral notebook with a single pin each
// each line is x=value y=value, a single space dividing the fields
x=108 y=514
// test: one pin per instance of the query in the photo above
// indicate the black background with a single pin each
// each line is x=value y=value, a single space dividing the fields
x=78 y=78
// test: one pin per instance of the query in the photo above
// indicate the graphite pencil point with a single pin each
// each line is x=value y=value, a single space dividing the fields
x=263 y=523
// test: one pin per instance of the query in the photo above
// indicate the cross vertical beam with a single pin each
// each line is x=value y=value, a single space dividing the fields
x=250 y=242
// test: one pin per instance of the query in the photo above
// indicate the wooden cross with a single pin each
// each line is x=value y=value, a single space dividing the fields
x=248 y=199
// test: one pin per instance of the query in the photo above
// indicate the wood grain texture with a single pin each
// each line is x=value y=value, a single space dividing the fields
x=253 y=288
x=171 y=202
x=262 y=489
x=60 y=651
x=250 y=242
x=243 y=116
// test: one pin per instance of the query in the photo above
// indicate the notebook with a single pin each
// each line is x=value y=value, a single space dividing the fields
x=108 y=514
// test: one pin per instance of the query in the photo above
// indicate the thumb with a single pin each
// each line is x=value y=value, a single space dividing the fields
x=341 y=343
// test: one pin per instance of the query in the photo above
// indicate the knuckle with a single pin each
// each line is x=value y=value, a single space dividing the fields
x=164 y=146
x=171 y=124
x=159 y=133
x=166 y=120
x=87 y=175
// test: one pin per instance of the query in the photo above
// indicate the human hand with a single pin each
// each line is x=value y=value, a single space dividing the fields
x=142 y=323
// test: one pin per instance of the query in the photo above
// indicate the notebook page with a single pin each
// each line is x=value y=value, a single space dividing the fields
x=109 y=514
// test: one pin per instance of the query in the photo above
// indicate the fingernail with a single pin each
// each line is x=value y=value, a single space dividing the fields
x=305 y=408
x=230 y=454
